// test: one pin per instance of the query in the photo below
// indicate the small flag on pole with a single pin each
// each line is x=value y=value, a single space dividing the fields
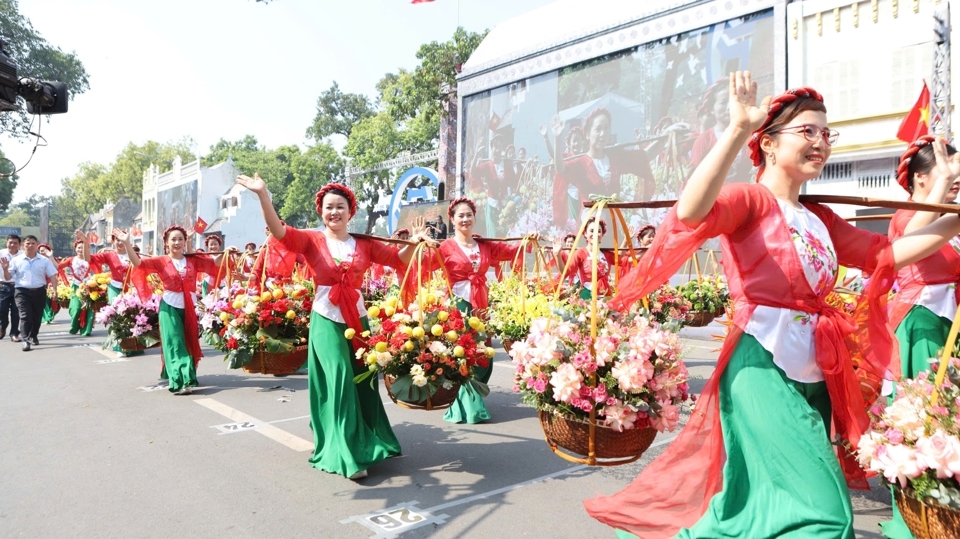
x=136 y=232
x=200 y=226
x=94 y=238
x=917 y=122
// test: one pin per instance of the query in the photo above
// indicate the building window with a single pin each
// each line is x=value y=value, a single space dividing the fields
x=910 y=66
x=840 y=84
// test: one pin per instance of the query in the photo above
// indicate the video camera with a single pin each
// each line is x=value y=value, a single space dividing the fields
x=42 y=97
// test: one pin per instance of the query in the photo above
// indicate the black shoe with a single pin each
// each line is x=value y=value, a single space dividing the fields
x=14 y=338
x=26 y=346
x=34 y=341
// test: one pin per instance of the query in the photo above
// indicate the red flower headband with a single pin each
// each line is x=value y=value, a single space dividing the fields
x=42 y=245
x=903 y=169
x=594 y=114
x=212 y=237
x=570 y=237
x=171 y=228
x=776 y=106
x=343 y=189
x=78 y=242
x=643 y=229
x=456 y=202
x=397 y=233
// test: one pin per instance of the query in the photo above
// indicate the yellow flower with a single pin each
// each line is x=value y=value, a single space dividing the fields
x=350 y=333
x=373 y=312
x=381 y=347
x=436 y=330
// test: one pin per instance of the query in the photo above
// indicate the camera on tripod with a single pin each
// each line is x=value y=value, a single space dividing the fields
x=42 y=97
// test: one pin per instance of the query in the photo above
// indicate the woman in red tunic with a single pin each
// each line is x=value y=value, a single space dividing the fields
x=119 y=266
x=582 y=263
x=756 y=459
x=467 y=259
x=179 y=335
x=351 y=430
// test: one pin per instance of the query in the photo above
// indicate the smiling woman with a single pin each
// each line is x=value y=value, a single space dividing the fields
x=784 y=380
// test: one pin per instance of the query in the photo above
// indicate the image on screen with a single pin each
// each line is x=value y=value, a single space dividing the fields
x=631 y=125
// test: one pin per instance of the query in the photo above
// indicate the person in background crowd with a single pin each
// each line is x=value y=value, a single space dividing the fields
x=30 y=273
x=9 y=315
x=494 y=178
x=52 y=306
x=582 y=263
x=81 y=318
x=118 y=262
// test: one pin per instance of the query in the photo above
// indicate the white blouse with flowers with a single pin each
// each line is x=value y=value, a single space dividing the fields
x=941 y=299
x=788 y=334
x=462 y=289
x=340 y=251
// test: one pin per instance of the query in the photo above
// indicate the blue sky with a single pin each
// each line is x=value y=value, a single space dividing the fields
x=164 y=69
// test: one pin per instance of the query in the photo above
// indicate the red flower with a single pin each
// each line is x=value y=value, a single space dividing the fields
x=232 y=343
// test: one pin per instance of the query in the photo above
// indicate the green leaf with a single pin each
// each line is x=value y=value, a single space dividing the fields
x=277 y=346
x=363 y=376
x=480 y=387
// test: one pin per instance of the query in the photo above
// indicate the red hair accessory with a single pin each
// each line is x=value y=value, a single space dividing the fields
x=401 y=231
x=643 y=229
x=351 y=198
x=42 y=245
x=776 y=106
x=903 y=169
x=212 y=237
x=570 y=237
x=456 y=202
x=78 y=242
x=170 y=229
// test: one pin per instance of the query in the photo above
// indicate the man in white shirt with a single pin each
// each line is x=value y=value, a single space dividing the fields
x=9 y=316
x=29 y=273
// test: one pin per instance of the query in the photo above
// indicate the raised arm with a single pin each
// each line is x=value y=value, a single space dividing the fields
x=946 y=171
x=84 y=245
x=922 y=243
x=259 y=187
x=704 y=185
x=5 y=265
x=557 y=125
x=418 y=233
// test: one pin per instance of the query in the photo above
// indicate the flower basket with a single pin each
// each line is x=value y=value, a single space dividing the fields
x=515 y=301
x=133 y=344
x=64 y=303
x=261 y=329
x=426 y=350
x=604 y=382
x=441 y=400
x=612 y=446
x=927 y=521
x=277 y=363
x=131 y=324
x=507 y=345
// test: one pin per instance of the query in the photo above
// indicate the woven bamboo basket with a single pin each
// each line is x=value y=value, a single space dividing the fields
x=441 y=400
x=927 y=521
x=507 y=345
x=97 y=305
x=613 y=446
x=277 y=364
x=63 y=303
x=699 y=319
x=133 y=344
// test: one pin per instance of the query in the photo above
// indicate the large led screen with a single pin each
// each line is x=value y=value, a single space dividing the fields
x=632 y=124
x=176 y=205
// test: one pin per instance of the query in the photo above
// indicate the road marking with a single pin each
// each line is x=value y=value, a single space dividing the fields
x=290 y=419
x=158 y=387
x=233 y=428
x=113 y=360
x=274 y=433
x=388 y=522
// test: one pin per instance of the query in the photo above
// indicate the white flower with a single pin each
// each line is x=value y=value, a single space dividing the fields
x=419 y=380
x=438 y=348
x=416 y=370
x=384 y=358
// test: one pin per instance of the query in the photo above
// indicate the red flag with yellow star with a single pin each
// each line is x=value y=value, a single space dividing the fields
x=200 y=225
x=917 y=122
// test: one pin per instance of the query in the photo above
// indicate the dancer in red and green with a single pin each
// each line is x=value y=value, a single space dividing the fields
x=118 y=262
x=582 y=263
x=52 y=307
x=756 y=459
x=179 y=335
x=927 y=302
x=467 y=259
x=81 y=318
x=351 y=430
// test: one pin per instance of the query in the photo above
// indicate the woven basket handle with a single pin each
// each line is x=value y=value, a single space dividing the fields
x=945 y=360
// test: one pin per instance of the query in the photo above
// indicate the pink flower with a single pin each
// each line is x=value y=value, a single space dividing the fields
x=940 y=452
x=566 y=382
x=899 y=463
x=893 y=436
x=632 y=374
x=619 y=417
x=539 y=385
x=668 y=418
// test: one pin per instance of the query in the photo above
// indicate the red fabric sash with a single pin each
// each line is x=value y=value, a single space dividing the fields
x=675 y=489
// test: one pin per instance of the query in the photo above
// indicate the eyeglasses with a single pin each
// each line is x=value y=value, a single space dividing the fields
x=813 y=133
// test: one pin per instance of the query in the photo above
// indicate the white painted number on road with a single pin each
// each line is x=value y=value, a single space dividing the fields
x=105 y=361
x=231 y=428
x=395 y=520
x=158 y=387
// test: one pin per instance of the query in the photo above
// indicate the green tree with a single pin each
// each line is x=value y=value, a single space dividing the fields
x=36 y=58
x=8 y=181
x=249 y=157
x=18 y=217
x=313 y=169
x=338 y=112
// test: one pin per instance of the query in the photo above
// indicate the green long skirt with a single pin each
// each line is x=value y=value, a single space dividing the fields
x=112 y=293
x=922 y=335
x=178 y=364
x=351 y=430
x=469 y=406
x=48 y=313
x=781 y=477
x=77 y=326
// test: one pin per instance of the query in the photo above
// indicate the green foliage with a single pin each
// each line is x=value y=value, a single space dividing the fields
x=337 y=113
x=38 y=59
x=18 y=217
x=7 y=183
x=314 y=168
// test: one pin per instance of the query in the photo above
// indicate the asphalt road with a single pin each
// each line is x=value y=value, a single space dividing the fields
x=91 y=448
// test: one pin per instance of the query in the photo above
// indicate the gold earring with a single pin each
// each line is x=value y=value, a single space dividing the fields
x=772 y=158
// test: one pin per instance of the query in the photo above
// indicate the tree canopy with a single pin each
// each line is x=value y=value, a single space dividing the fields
x=36 y=58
